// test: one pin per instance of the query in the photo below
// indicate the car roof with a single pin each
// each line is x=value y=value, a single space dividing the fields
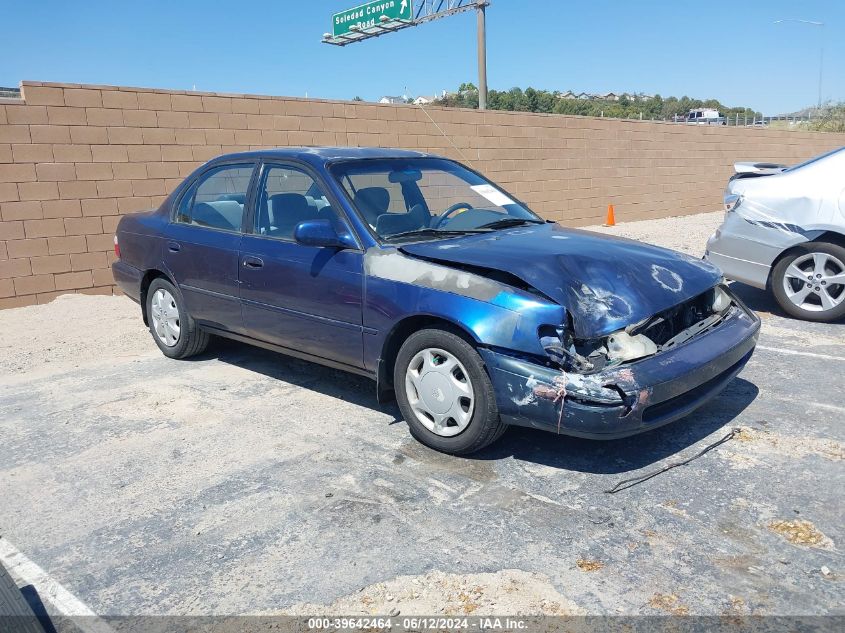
x=323 y=155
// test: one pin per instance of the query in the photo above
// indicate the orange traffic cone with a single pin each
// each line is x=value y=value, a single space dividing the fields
x=611 y=219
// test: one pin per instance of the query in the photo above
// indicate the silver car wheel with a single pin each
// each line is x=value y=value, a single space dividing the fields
x=440 y=392
x=815 y=282
x=165 y=317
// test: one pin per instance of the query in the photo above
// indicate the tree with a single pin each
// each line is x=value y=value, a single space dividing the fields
x=832 y=119
x=357 y=98
x=533 y=100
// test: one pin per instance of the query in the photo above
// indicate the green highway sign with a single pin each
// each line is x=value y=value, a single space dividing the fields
x=369 y=15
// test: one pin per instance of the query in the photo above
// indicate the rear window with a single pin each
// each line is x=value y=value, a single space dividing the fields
x=814 y=159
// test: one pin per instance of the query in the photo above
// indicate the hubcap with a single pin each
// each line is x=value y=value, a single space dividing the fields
x=165 y=317
x=440 y=392
x=815 y=282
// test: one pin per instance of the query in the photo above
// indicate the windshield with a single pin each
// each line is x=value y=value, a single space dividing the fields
x=426 y=198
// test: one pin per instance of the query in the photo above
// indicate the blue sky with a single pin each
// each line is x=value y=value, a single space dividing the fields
x=731 y=52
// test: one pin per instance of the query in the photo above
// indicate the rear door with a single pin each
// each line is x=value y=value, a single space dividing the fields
x=305 y=298
x=201 y=250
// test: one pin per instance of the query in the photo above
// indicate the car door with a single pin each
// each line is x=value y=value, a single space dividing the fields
x=305 y=298
x=203 y=241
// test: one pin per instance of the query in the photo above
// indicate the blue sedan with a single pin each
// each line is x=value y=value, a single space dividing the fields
x=447 y=291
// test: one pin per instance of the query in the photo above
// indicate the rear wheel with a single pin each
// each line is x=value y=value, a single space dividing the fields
x=174 y=331
x=444 y=393
x=809 y=283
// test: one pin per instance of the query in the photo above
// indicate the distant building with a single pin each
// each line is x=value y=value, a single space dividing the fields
x=393 y=100
x=607 y=96
x=424 y=99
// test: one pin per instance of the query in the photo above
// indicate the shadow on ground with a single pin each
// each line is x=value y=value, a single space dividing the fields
x=335 y=383
x=763 y=301
x=630 y=453
x=593 y=456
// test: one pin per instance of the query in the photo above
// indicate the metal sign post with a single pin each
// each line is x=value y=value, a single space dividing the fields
x=386 y=16
x=482 y=56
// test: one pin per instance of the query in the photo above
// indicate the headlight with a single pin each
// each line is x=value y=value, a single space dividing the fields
x=721 y=299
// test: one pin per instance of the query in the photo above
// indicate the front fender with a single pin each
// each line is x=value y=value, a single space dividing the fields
x=492 y=313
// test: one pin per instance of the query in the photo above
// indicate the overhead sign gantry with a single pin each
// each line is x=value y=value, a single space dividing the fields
x=387 y=16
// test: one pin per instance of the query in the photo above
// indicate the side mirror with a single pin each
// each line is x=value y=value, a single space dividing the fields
x=322 y=233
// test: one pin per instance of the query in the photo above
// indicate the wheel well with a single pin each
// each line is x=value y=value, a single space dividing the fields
x=832 y=237
x=393 y=341
x=146 y=280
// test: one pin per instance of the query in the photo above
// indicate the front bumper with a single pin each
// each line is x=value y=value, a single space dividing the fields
x=629 y=399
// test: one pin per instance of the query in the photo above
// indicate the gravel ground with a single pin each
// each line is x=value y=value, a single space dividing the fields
x=687 y=234
x=248 y=482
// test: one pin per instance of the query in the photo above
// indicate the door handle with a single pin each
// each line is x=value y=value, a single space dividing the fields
x=174 y=247
x=253 y=262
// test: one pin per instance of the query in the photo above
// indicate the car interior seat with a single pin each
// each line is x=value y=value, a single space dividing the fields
x=372 y=202
x=391 y=223
x=221 y=214
x=237 y=197
x=283 y=212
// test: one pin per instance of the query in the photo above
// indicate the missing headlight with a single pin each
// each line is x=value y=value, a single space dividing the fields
x=569 y=354
x=653 y=335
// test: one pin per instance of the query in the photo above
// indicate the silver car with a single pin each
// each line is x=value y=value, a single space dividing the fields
x=784 y=229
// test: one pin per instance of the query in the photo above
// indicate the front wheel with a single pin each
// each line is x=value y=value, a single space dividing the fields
x=174 y=331
x=809 y=283
x=444 y=393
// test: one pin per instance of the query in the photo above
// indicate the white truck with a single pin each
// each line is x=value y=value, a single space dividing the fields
x=706 y=116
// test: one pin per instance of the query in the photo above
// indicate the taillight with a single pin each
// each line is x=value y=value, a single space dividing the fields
x=732 y=201
x=116 y=247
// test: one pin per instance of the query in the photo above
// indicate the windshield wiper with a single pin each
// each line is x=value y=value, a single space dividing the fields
x=430 y=232
x=507 y=222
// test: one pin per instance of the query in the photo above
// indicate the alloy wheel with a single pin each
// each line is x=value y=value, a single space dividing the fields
x=815 y=282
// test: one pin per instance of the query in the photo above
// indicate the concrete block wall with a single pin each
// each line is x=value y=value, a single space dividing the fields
x=73 y=158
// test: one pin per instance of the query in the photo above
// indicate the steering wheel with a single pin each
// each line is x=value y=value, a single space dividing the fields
x=450 y=211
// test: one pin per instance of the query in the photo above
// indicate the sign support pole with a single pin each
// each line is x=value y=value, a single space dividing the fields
x=482 y=55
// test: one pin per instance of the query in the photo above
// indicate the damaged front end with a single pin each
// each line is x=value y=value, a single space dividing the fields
x=655 y=334
x=644 y=375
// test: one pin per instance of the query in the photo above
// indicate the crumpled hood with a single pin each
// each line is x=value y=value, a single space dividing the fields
x=606 y=283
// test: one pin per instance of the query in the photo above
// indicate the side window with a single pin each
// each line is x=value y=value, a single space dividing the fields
x=217 y=200
x=289 y=196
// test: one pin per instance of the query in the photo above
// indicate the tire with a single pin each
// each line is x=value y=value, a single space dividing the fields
x=438 y=367
x=14 y=609
x=805 y=259
x=191 y=340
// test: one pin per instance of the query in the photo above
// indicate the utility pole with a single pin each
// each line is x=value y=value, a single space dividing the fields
x=821 y=54
x=482 y=55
